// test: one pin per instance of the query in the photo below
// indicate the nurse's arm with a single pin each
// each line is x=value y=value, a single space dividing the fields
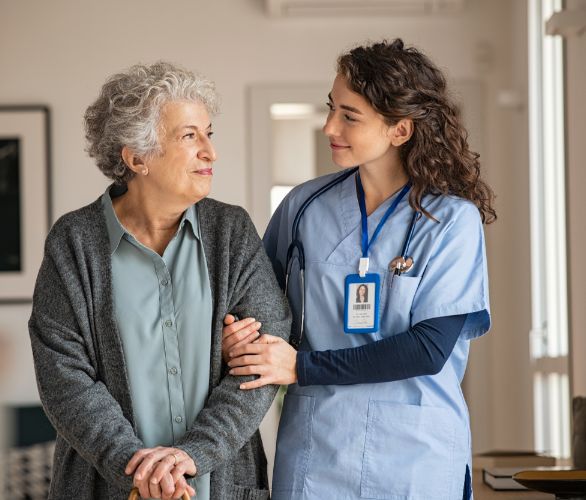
x=421 y=350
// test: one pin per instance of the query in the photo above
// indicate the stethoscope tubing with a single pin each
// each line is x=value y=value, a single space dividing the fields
x=414 y=219
x=296 y=244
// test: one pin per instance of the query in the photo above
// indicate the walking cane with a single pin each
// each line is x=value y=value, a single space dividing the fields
x=135 y=496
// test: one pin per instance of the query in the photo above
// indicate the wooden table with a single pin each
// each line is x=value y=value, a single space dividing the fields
x=484 y=492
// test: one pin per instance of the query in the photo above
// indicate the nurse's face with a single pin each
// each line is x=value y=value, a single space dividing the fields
x=358 y=134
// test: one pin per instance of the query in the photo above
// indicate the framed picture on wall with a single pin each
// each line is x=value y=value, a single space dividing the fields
x=25 y=199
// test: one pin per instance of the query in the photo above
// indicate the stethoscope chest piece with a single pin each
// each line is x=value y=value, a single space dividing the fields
x=401 y=265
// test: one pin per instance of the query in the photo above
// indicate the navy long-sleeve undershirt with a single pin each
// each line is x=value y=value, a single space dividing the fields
x=421 y=350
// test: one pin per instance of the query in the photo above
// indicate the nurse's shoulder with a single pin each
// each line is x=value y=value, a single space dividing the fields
x=449 y=209
x=458 y=220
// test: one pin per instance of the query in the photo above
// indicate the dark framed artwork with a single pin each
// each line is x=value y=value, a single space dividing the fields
x=25 y=200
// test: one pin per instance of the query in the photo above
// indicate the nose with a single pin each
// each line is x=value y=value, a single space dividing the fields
x=330 y=128
x=208 y=151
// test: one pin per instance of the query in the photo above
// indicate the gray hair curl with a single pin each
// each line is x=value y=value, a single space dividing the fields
x=128 y=110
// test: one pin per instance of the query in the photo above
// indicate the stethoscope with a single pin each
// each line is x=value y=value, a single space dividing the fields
x=399 y=265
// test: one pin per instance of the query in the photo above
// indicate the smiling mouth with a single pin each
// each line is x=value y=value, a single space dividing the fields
x=338 y=146
x=204 y=171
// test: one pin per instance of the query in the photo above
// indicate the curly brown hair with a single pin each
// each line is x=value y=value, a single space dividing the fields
x=400 y=83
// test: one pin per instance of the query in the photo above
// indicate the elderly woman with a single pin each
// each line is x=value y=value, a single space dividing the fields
x=127 y=314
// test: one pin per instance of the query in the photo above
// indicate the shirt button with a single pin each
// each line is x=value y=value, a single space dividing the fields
x=165 y=282
x=168 y=323
x=173 y=371
x=178 y=419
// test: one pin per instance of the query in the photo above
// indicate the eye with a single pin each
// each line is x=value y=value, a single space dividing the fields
x=210 y=133
x=190 y=135
x=330 y=106
x=349 y=118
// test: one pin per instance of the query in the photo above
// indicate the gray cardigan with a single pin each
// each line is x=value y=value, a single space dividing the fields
x=80 y=368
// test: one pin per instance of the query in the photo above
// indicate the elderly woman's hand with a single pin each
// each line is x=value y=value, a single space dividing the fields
x=160 y=472
x=270 y=357
x=238 y=333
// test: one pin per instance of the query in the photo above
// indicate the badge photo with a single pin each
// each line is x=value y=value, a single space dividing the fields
x=361 y=303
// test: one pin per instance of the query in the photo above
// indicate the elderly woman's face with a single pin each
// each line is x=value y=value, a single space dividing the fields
x=183 y=171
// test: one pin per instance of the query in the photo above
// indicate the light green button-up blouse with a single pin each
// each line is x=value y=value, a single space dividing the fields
x=163 y=308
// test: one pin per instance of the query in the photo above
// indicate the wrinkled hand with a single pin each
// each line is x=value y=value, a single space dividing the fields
x=238 y=333
x=270 y=357
x=160 y=472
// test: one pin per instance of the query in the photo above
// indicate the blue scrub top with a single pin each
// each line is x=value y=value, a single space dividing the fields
x=407 y=439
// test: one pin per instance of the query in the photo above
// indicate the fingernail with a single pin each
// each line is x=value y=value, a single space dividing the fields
x=258 y=324
x=231 y=372
x=242 y=386
x=139 y=476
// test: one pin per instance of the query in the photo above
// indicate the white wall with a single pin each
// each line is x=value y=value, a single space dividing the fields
x=60 y=52
x=576 y=182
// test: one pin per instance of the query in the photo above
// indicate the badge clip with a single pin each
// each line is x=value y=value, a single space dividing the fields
x=363 y=266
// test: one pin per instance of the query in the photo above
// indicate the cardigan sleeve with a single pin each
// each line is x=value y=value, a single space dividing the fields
x=76 y=400
x=231 y=415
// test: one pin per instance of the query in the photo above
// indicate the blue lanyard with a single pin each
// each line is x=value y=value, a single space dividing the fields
x=361 y=201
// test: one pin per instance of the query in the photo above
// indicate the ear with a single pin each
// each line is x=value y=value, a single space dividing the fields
x=133 y=161
x=401 y=132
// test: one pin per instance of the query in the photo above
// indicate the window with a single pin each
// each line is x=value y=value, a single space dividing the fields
x=549 y=335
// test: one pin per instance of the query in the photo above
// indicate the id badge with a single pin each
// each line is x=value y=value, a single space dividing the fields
x=361 y=303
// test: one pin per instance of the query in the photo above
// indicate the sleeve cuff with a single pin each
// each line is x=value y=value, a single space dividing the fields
x=202 y=466
x=119 y=463
x=301 y=367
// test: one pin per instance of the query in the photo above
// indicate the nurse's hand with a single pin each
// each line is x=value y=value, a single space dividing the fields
x=238 y=333
x=272 y=358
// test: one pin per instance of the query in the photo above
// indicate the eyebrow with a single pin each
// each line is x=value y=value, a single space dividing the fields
x=344 y=106
x=194 y=127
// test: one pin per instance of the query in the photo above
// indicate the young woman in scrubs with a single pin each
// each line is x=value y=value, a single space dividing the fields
x=376 y=410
